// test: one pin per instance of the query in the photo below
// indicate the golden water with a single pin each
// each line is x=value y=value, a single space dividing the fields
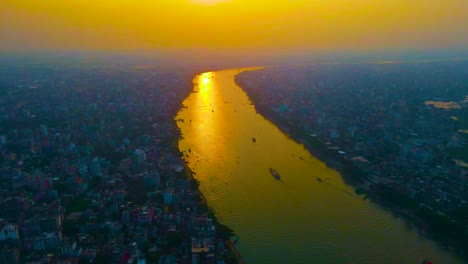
x=298 y=219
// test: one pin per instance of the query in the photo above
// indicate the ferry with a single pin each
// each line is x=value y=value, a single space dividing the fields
x=275 y=174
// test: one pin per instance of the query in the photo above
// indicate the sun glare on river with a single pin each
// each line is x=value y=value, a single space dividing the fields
x=205 y=81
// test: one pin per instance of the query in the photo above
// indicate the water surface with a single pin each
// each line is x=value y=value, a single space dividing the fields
x=299 y=219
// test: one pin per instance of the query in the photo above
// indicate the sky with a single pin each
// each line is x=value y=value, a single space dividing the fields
x=236 y=26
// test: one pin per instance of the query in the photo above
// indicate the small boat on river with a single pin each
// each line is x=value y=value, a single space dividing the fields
x=275 y=173
x=254 y=140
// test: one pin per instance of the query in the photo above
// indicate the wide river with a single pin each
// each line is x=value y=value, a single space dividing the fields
x=298 y=219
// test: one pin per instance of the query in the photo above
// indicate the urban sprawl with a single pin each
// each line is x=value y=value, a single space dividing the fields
x=90 y=169
x=91 y=172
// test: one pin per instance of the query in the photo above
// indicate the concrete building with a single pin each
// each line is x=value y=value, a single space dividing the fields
x=9 y=231
x=9 y=255
x=168 y=194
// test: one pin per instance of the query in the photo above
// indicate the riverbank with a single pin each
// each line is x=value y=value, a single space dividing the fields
x=428 y=223
x=224 y=231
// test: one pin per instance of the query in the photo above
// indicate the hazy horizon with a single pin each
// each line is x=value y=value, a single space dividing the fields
x=202 y=61
x=238 y=31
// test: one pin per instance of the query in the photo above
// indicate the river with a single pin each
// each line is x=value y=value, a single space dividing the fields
x=310 y=215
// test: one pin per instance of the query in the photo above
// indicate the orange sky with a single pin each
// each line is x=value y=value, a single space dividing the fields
x=273 y=25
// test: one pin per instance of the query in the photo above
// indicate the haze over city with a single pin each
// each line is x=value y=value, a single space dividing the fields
x=210 y=29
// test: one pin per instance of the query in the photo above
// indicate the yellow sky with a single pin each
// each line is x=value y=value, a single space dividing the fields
x=128 y=25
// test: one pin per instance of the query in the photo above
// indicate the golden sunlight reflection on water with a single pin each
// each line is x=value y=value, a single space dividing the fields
x=298 y=219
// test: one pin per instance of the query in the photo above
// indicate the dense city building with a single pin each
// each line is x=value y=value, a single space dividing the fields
x=90 y=169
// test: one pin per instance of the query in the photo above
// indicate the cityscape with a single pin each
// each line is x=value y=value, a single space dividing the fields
x=233 y=131
x=91 y=174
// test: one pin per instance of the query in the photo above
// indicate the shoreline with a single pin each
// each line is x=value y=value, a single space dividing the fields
x=355 y=178
x=225 y=230
x=227 y=242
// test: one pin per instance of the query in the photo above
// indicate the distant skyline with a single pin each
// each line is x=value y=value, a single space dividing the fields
x=256 y=27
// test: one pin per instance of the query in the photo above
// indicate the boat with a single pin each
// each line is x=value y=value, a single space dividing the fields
x=318 y=179
x=254 y=140
x=275 y=173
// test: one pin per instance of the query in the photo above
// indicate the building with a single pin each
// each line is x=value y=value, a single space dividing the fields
x=70 y=249
x=30 y=228
x=152 y=180
x=95 y=167
x=52 y=240
x=168 y=195
x=44 y=131
x=9 y=232
x=9 y=254
x=38 y=244
x=139 y=156
x=125 y=217
x=82 y=169
x=51 y=224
